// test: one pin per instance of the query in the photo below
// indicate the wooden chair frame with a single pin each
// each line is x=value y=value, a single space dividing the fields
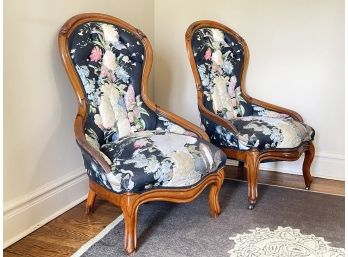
x=253 y=157
x=130 y=202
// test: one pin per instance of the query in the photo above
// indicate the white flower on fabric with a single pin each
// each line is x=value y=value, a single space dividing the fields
x=169 y=143
x=221 y=98
x=110 y=91
x=218 y=35
x=289 y=134
x=109 y=60
x=217 y=104
x=98 y=120
x=107 y=101
x=111 y=112
x=124 y=127
x=184 y=172
x=176 y=129
x=217 y=57
x=106 y=112
x=110 y=33
x=115 y=181
x=125 y=59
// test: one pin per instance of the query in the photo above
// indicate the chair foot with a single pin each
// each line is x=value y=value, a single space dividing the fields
x=90 y=201
x=252 y=203
x=251 y=206
x=308 y=187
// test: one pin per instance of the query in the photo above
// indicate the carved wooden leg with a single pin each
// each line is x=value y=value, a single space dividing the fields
x=214 y=194
x=90 y=201
x=240 y=169
x=252 y=163
x=309 y=156
x=129 y=207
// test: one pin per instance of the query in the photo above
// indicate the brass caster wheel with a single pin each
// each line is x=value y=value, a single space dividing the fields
x=251 y=206
x=307 y=187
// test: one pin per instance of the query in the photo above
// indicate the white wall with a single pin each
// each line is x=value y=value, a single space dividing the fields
x=43 y=169
x=296 y=61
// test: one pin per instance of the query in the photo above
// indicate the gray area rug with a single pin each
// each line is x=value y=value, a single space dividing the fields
x=166 y=229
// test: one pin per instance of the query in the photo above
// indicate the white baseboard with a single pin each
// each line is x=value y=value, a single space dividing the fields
x=26 y=214
x=325 y=165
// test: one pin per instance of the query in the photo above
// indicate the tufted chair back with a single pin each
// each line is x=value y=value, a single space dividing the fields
x=109 y=61
x=219 y=56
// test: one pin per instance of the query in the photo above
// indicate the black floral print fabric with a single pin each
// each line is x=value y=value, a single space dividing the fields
x=219 y=58
x=109 y=62
x=150 y=159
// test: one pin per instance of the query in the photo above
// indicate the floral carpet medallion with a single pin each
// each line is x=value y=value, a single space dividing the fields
x=285 y=242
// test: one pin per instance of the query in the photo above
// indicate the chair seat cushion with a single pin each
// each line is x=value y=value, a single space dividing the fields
x=266 y=132
x=149 y=159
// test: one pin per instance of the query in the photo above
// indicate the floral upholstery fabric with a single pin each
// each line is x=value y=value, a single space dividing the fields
x=109 y=62
x=149 y=159
x=267 y=132
x=219 y=58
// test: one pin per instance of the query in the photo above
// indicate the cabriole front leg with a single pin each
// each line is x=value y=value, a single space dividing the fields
x=214 y=194
x=129 y=206
x=309 y=156
x=252 y=163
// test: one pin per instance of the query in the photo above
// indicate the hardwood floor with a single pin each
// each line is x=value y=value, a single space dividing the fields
x=67 y=233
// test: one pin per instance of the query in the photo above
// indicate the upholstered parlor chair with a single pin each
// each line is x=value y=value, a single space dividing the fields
x=246 y=129
x=133 y=150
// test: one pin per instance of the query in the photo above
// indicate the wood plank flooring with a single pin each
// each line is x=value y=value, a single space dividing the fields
x=67 y=233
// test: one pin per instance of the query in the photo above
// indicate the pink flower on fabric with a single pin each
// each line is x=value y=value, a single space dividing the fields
x=233 y=81
x=104 y=71
x=140 y=143
x=207 y=55
x=230 y=90
x=96 y=54
x=129 y=98
x=130 y=117
x=113 y=77
x=136 y=112
x=189 y=133
x=216 y=68
x=231 y=86
x=234 y=102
